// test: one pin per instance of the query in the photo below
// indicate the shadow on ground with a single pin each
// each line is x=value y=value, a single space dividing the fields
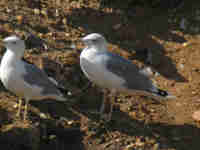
x=133 y=34
x=52 y=133
x=167 y=134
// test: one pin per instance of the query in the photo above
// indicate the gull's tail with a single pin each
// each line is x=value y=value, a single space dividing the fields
x=60 y=98
x=162 y=94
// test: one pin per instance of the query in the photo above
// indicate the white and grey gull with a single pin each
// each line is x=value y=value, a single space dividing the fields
x=24 y=79
x=113 y=72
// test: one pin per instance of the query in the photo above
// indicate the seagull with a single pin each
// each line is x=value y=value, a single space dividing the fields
x=113 y=72
x=24 y=79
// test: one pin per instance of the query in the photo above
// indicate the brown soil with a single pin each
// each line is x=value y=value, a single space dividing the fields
x=138 y=122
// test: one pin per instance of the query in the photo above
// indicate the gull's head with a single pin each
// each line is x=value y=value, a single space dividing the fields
x=14 y=43
x=94 y=40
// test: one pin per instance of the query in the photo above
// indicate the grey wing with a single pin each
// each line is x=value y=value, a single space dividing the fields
x=37 y=77
x=134 y=78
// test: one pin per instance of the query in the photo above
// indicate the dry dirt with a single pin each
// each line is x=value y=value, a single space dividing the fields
x=138 y=123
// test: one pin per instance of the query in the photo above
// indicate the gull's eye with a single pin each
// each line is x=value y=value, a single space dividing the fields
x=94 y=40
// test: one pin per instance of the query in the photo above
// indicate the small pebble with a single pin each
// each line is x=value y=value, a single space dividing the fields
x=36 y=11
x=70 y=122
x=148 y=71
x=157 y=74
x=51 y=137
x=69 y=93
x=185 y=44
x=196 y=115
x=44 y=12
x=43 y=116
x=73 y=46
x=181 y=66
x=130 y=146
x=117 y=26
x=15 y=105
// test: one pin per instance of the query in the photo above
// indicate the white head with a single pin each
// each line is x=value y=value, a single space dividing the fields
x=95 y=40
x=14 y=43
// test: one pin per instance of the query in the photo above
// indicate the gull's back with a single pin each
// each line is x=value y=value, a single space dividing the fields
x=113 y=71
x=134 y=78
x=22 y=78
x=37 y=78
x=26 y=80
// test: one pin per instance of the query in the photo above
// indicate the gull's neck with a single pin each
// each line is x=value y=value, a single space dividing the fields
x=98 y=48
x=15 y=54
x=12 y=57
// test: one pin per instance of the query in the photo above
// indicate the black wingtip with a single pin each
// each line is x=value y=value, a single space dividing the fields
x=62 y=89
x=165 y=94
x=158 y=93
x=162 y=93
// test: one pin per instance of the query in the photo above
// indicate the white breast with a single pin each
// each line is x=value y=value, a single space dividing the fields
x=94 y=68
x=11 y=74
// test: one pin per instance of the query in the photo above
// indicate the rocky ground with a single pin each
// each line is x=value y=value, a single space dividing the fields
x=138 y=123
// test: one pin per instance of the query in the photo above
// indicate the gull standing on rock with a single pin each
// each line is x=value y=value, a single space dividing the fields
x=24 y=79
x=113 y=72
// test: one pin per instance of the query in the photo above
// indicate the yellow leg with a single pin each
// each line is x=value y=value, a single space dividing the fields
x=102 y=109
x=107 y=106
x=19 y=107
x=26 y=109
x=102 y=106
x=106 y=114
x=114 y=96
x=111 y=110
